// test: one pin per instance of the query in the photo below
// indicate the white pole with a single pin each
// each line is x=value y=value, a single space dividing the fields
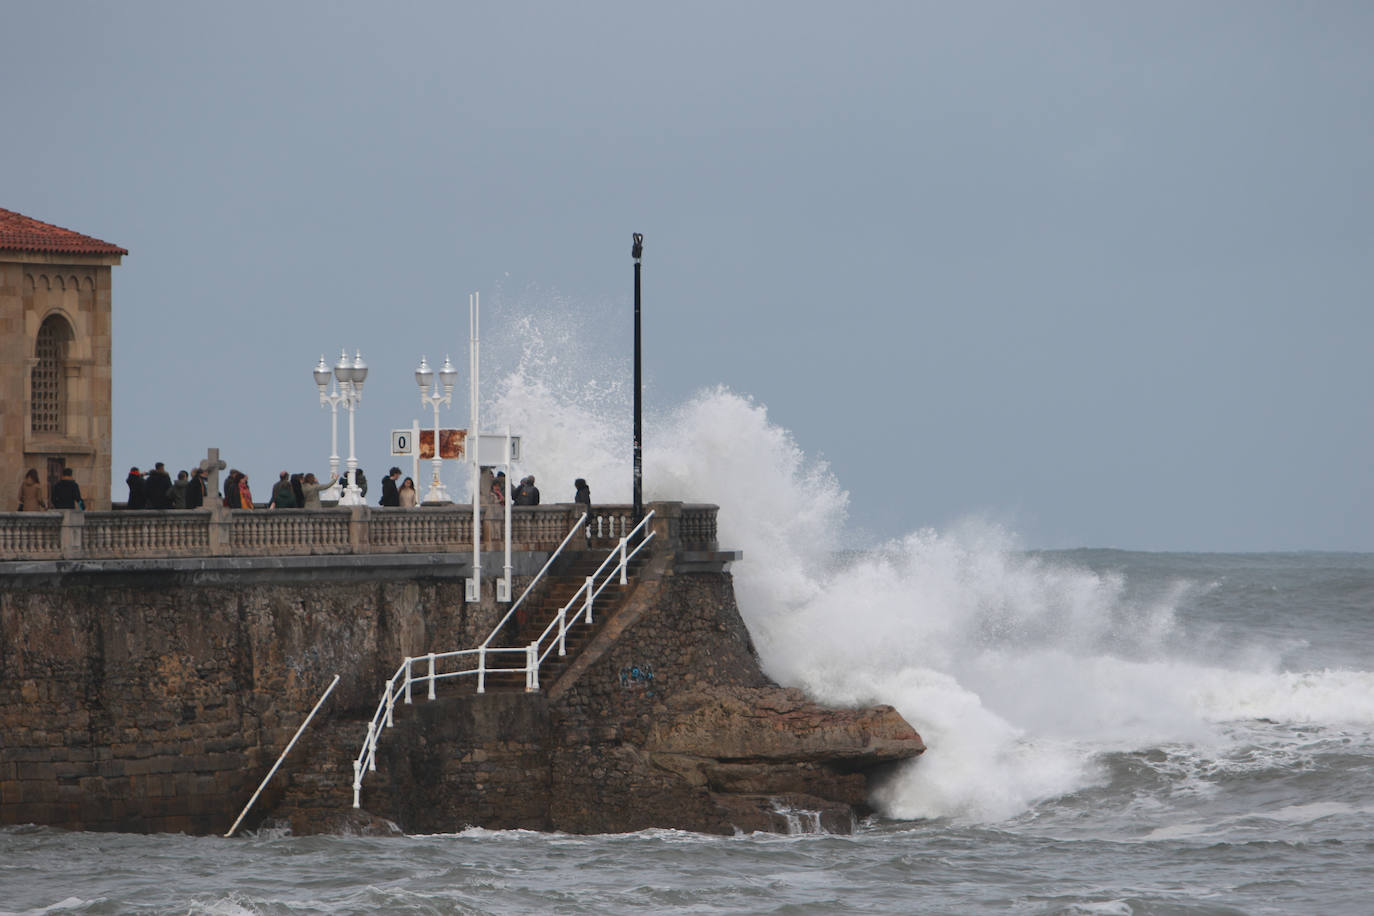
x=474 y=590
x=273 y=771
x=352 y=494
x=415 y=452
x=334 y=439
x=510 y=492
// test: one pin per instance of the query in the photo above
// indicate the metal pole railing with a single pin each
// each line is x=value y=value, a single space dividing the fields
x=275 y=766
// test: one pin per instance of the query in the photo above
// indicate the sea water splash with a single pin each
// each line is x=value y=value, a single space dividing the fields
x=1020 y=671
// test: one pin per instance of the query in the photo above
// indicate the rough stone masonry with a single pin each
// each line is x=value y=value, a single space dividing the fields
x=156 y=699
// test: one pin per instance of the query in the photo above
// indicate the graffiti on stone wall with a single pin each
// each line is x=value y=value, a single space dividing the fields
x=637 y=677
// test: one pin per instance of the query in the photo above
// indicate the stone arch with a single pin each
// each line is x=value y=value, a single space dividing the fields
x=47 y=378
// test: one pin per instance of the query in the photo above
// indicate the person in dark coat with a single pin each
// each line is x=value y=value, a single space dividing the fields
x=283 y=496
x=66 y=493
x=531 y=492
x=138 y=496
x=233 y=498
x=196 y=489
x=390 y=495
x=157 y=488
x=297 y=491
x=583 y=495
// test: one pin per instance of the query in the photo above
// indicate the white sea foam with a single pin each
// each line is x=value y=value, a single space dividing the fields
x=1019 y=671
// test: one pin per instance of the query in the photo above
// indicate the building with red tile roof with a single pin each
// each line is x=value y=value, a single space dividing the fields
x=55 y=360
x=22 y=233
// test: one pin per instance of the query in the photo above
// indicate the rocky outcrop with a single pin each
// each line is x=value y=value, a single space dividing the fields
x=765 y=755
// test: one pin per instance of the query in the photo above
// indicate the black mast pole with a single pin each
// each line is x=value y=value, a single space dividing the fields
x=636 y=252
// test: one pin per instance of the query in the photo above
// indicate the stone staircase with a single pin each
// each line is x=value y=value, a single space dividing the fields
x=541 y=607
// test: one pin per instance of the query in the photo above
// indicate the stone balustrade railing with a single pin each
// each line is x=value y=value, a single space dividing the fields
x=218 y=532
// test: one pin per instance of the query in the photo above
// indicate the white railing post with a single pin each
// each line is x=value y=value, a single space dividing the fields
x=481 y=669
x=532 y=667
x=623 y=564
x=431 y=675
x=357 y=782
x=390 y=699
x=408 y=661
x=587 y=602
x=372 y=747
x=563 y=630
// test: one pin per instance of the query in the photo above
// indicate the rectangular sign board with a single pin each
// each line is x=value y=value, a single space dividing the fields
x=452 y=443
x=492 y=449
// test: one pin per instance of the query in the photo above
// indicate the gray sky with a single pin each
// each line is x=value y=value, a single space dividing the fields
x=1098 y=270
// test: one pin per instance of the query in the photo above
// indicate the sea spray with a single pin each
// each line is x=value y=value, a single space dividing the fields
x=1021 y=671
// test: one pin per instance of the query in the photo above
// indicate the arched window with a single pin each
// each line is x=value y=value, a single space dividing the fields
x=49 y=410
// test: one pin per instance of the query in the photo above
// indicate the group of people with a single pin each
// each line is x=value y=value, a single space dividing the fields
x=403 y=496
x=291 y=491
x=526 y=493
x=66 y=493
x=157 y=490
x=191 y=490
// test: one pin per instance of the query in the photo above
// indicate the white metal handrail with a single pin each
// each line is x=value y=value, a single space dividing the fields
x=398 y=686
x=535 y=581
x=560 y=620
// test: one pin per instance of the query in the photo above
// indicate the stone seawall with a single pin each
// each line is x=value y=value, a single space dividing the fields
x=156 y=699
x=158 y=704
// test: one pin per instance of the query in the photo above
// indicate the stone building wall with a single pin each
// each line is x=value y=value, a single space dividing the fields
x=77 y=290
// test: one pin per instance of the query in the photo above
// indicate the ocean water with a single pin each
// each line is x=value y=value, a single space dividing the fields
x=1109 y=732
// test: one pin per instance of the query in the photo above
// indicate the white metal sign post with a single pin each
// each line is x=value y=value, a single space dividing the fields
x=474 y=584
x=407 y=442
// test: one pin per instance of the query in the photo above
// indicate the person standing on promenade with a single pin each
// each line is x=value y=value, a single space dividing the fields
x=31 y=493
x=157 y=488
x=196 y=490
x=66 y=493
x=531 y=492
x=245 y=494
x=583 y=495
x=311 y=488
x=296 y=490
x=283 y=497
x=179 y=488
x=137 y=492
x=232 y=495
x=389 y=495
x=409 y=498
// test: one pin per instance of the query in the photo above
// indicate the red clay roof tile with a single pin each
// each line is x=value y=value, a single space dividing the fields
x=22 y=233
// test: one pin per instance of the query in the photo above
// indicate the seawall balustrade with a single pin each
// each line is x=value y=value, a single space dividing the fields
x=356 y=530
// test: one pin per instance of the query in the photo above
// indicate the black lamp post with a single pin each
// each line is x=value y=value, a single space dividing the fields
x=636 y=252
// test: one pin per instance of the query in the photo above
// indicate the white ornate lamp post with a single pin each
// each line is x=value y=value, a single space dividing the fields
x=424 y=377
x=322 y=376
x=350 y=377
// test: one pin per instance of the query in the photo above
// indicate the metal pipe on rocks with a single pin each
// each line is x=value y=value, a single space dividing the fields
x=275 y=766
